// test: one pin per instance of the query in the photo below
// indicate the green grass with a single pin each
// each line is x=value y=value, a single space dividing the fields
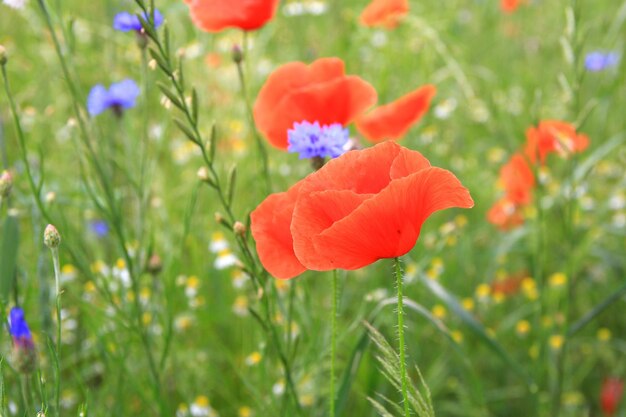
x=503 y=72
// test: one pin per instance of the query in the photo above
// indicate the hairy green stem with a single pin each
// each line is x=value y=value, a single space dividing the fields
x=57 y=283
x=333 y=344
x=403 y=373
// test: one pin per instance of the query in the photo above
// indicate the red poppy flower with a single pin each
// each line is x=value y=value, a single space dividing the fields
x=509 y=6
x=393 y=120
x=611 y=395
x=518 y=180
x=320 y=92
x=384 y=13
x=217 y=15
x=363 y=206
x=553 y=136
x=505 y=215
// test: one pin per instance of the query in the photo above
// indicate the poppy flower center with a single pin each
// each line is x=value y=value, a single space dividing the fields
x=312 y=140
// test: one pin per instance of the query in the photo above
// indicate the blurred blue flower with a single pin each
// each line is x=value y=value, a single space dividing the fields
x=126 y=22
x=18 y=328
x=598 y=61
x=99 y=227
x=312 y=140
x=118 y=97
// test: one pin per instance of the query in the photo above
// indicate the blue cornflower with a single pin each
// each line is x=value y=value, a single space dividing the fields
x=598 y=61
x=19 y=328
x=312 y=140
x=118 y=97
x=99 y=227
x=126 y=22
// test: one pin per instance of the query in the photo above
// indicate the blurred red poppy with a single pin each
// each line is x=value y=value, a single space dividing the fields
x=509 y=6
x=553 y=136
x=217 y=15
x=611 y=395
x=384 y=13
x=518 y=180
x=505 y=215
x=320 y=92
x=393 y=120
x=363 y=206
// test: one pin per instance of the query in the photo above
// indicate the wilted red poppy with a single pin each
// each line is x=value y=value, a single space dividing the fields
x=217 y=15
x=553 y=136
x=393 y=120
x=509 y=6
x=505 y=215
x=384 y=13
x=320 y=92
x=611 y=395
x=360 y=207
x=517 y=179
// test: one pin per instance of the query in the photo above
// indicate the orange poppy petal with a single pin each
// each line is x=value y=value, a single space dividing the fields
x=386 y=225
x=364 y=171
x=393 y=120
x=318 y=92
x=384 y=13
x=217 y=15
x=518 y=179
x=270 y=228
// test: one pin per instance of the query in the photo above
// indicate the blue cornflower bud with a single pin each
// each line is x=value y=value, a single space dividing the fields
x=118 y=97
x=24 y=354
x=127 y=22
x=598 y=61
x=311 y=140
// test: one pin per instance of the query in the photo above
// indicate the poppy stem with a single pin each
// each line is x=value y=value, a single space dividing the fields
x=333 y=344
x=403 y=373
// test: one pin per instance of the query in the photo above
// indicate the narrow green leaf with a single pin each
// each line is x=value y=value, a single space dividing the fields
x=185 y=129
x=232 y=179
x=170 y=95
x=213 y=142
x=605 y=149
x=597 y=310
x=194 y=105
x=8 y=257
x=164 y=64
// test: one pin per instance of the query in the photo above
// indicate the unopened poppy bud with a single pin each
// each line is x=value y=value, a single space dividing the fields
x=24 y=354
x=6 y=183
x=203 y=174
x=155 y=265
x=51 y=237
x=3 y=56
x=239 y=228
x=237 y=54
